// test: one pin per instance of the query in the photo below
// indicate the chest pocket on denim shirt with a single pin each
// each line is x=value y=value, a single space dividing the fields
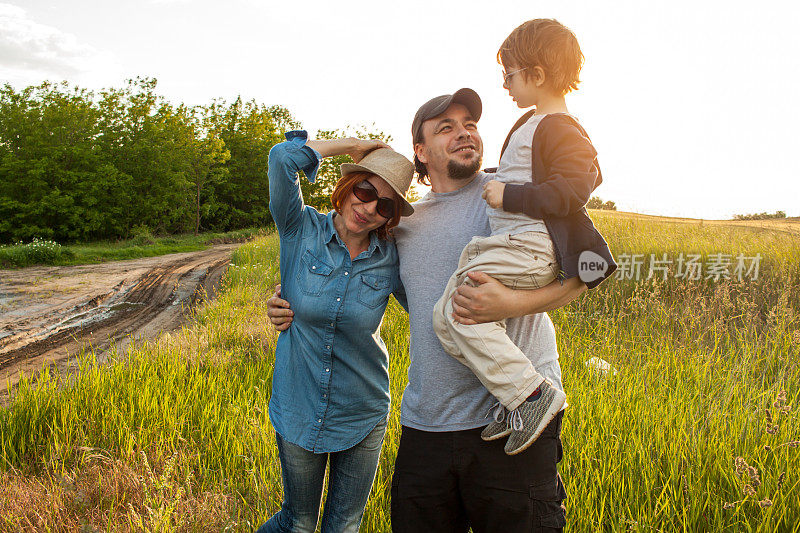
x=313 y=274
x=374 y=290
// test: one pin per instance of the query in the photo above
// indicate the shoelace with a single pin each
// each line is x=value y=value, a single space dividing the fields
x=498 y=412
x=515 y=420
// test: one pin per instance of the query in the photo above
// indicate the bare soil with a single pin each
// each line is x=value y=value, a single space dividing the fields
x=48 y=314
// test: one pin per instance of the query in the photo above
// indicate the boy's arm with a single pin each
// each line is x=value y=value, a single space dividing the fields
x=572 y=175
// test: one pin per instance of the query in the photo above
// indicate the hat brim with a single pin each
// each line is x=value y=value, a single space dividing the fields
x=405 y=208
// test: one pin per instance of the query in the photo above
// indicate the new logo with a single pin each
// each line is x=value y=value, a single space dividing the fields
x=591 y=266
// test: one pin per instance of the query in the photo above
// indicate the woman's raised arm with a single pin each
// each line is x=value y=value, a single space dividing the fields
x=298 y=153
x=355 y=148
x=286 y=160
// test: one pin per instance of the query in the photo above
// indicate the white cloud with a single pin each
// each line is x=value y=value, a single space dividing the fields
x=31 y=52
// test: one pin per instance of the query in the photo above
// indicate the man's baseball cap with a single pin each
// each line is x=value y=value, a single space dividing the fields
x=436 y=106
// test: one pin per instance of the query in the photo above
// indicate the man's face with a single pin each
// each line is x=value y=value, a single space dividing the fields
x=451 y=144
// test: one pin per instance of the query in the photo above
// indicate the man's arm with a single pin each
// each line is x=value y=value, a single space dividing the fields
x=491 y=301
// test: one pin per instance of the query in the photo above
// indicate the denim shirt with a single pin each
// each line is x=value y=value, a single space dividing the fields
x=330 y=386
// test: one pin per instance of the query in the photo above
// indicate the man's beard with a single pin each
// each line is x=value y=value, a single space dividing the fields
x=459 y=171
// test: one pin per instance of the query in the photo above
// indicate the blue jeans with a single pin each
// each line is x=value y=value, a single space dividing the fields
x=350 y=480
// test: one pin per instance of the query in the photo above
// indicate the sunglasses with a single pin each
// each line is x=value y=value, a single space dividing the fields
x=507 y=76
x=366 y=192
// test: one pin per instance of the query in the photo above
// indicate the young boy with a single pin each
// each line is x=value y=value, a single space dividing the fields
x=548 y=170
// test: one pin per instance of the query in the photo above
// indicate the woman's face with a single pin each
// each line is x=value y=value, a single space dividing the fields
x=362 y=217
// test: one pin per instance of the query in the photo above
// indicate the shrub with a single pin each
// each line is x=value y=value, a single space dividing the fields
x=141 y=235
x=37 y=252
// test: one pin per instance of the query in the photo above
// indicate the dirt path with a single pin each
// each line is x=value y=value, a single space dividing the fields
x=47 y=314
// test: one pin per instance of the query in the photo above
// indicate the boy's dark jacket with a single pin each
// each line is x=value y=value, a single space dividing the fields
x=565 y=173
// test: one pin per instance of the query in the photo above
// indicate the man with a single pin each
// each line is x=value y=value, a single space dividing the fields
x=446 y=478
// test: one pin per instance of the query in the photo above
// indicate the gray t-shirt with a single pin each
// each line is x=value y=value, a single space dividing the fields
x=442 y=394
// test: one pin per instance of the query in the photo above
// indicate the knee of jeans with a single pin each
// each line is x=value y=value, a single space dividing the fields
x=290 y=522
x=346 y=523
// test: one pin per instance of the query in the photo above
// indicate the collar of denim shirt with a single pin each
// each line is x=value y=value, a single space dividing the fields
x=330 y=232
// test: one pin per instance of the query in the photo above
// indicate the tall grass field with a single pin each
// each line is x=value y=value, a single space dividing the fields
x=695 y=428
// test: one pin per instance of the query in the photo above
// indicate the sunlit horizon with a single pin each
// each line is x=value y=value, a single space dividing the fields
x=690 y=106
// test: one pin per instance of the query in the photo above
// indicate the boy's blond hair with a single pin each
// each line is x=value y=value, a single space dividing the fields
x=548 y=44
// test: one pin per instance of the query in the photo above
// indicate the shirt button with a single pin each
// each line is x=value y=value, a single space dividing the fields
x=327 y=346
x=332 y=324
x=313 y=268
x=346 y=273
x=338 y=299
x=324 y=395
x=319 y=420
x=327 y=370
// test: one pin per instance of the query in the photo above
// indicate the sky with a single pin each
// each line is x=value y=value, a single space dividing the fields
x=691 y=105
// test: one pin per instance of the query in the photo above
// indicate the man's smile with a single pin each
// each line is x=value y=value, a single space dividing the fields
x=465 y=148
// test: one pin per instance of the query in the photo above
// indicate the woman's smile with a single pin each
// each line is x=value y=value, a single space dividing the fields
x=359 y=218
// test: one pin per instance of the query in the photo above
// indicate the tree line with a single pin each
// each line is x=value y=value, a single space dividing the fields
x=761 y=216
x=596 y=202
x=76 y=165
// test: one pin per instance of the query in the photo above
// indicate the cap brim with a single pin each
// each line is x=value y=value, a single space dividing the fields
x=469 y=99
x=465 y=96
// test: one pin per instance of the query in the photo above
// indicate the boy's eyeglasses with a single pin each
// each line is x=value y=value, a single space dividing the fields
x=507 y=76
x=366 y=192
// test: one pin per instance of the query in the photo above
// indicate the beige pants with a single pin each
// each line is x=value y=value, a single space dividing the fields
x=522 y=261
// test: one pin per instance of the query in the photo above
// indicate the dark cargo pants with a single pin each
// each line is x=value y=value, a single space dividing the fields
x=451 y=481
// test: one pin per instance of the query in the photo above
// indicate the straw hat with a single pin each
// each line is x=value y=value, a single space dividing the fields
x=394 y=168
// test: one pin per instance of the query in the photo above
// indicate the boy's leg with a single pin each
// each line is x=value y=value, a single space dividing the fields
x=523 y=261
x=440 y=321
x=441 y=311
x=425 y=485
x=520 y=493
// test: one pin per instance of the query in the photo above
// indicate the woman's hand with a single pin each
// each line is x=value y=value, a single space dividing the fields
x=278 y=311
x=355 y=148
x=361 y=147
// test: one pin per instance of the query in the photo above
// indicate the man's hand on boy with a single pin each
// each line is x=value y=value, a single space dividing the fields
x=493 y=193
x=485 y=299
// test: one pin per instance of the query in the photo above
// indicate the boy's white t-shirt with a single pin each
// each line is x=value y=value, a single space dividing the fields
x=516 y=166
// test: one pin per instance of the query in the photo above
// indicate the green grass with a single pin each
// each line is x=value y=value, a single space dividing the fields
x=652 y=448
x=142 y=245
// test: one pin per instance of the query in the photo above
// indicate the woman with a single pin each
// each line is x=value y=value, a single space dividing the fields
x=330 y=388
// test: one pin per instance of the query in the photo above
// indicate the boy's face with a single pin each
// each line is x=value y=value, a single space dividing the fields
x=523 y=87
x=451 y=143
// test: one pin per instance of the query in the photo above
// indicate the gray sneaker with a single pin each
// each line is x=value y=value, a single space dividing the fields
x=497 y=428
x=529 y=419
